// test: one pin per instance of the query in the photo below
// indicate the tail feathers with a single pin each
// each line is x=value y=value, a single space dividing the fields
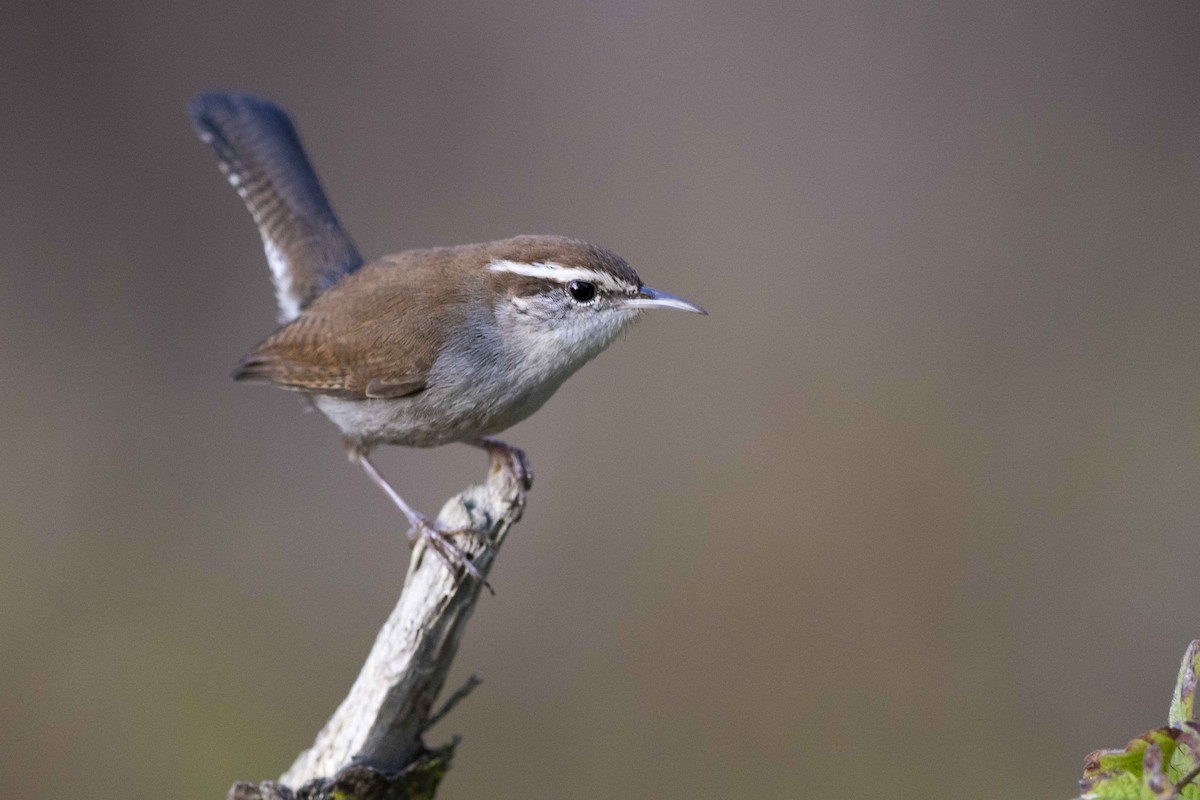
x=261 y=155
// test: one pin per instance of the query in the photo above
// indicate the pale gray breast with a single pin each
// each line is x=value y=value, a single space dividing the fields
x=479 y=385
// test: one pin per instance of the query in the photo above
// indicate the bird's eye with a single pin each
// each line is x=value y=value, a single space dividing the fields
x=582 y=291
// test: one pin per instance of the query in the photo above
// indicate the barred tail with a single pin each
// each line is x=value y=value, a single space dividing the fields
x=261 y=155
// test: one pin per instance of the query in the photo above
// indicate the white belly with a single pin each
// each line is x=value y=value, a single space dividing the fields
x=461 y=412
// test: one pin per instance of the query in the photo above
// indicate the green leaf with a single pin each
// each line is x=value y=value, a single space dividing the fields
x=1185 y=687
x=1119 y=787
x=1153 y=764
x=1130 y=759
x=1183 y=760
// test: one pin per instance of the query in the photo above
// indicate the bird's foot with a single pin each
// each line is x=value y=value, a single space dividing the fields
x=440 y=541
x=424 y=529
x=510 y=459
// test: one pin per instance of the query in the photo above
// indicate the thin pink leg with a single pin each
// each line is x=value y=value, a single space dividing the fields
x=453 y=556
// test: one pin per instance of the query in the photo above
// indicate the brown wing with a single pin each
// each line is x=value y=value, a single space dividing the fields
x=376 y=333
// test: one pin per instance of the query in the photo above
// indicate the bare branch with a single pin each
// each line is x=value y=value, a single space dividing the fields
x=379 y=724
x=454 y=699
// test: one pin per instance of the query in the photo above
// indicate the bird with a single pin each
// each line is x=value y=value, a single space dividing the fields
x=425 y=347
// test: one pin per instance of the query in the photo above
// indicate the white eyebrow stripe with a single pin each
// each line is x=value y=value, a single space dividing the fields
x=556 y=272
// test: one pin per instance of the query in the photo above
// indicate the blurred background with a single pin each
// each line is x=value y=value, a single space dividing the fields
x=915 y=510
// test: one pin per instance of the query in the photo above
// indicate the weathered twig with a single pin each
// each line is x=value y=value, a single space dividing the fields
x=459 y=694
x=377 y=728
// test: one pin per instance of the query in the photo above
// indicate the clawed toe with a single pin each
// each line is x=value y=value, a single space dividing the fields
x=454 y=557
x=510 y=459
x=522 y=468
x=423 y=528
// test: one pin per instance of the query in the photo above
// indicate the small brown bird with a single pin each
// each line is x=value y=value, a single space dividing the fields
x=421 y=348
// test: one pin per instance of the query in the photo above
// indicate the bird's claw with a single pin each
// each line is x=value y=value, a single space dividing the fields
x=511 y=460
x=439 y=540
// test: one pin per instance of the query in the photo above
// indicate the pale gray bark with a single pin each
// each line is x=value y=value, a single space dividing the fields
x=380 y=722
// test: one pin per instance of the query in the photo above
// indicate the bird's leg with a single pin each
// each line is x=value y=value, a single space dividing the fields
x=438 y=539
x=508 y=458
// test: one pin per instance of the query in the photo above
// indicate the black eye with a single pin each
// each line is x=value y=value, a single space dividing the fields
x=582 y=291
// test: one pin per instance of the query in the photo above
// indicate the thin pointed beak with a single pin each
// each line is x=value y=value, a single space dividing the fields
x=653 y=298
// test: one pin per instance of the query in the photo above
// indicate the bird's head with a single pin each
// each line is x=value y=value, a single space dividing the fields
x=568 y=297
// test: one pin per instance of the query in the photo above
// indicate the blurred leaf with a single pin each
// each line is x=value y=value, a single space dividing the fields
x=1118 y=787
x=1152 y=766
x=1185 y=686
